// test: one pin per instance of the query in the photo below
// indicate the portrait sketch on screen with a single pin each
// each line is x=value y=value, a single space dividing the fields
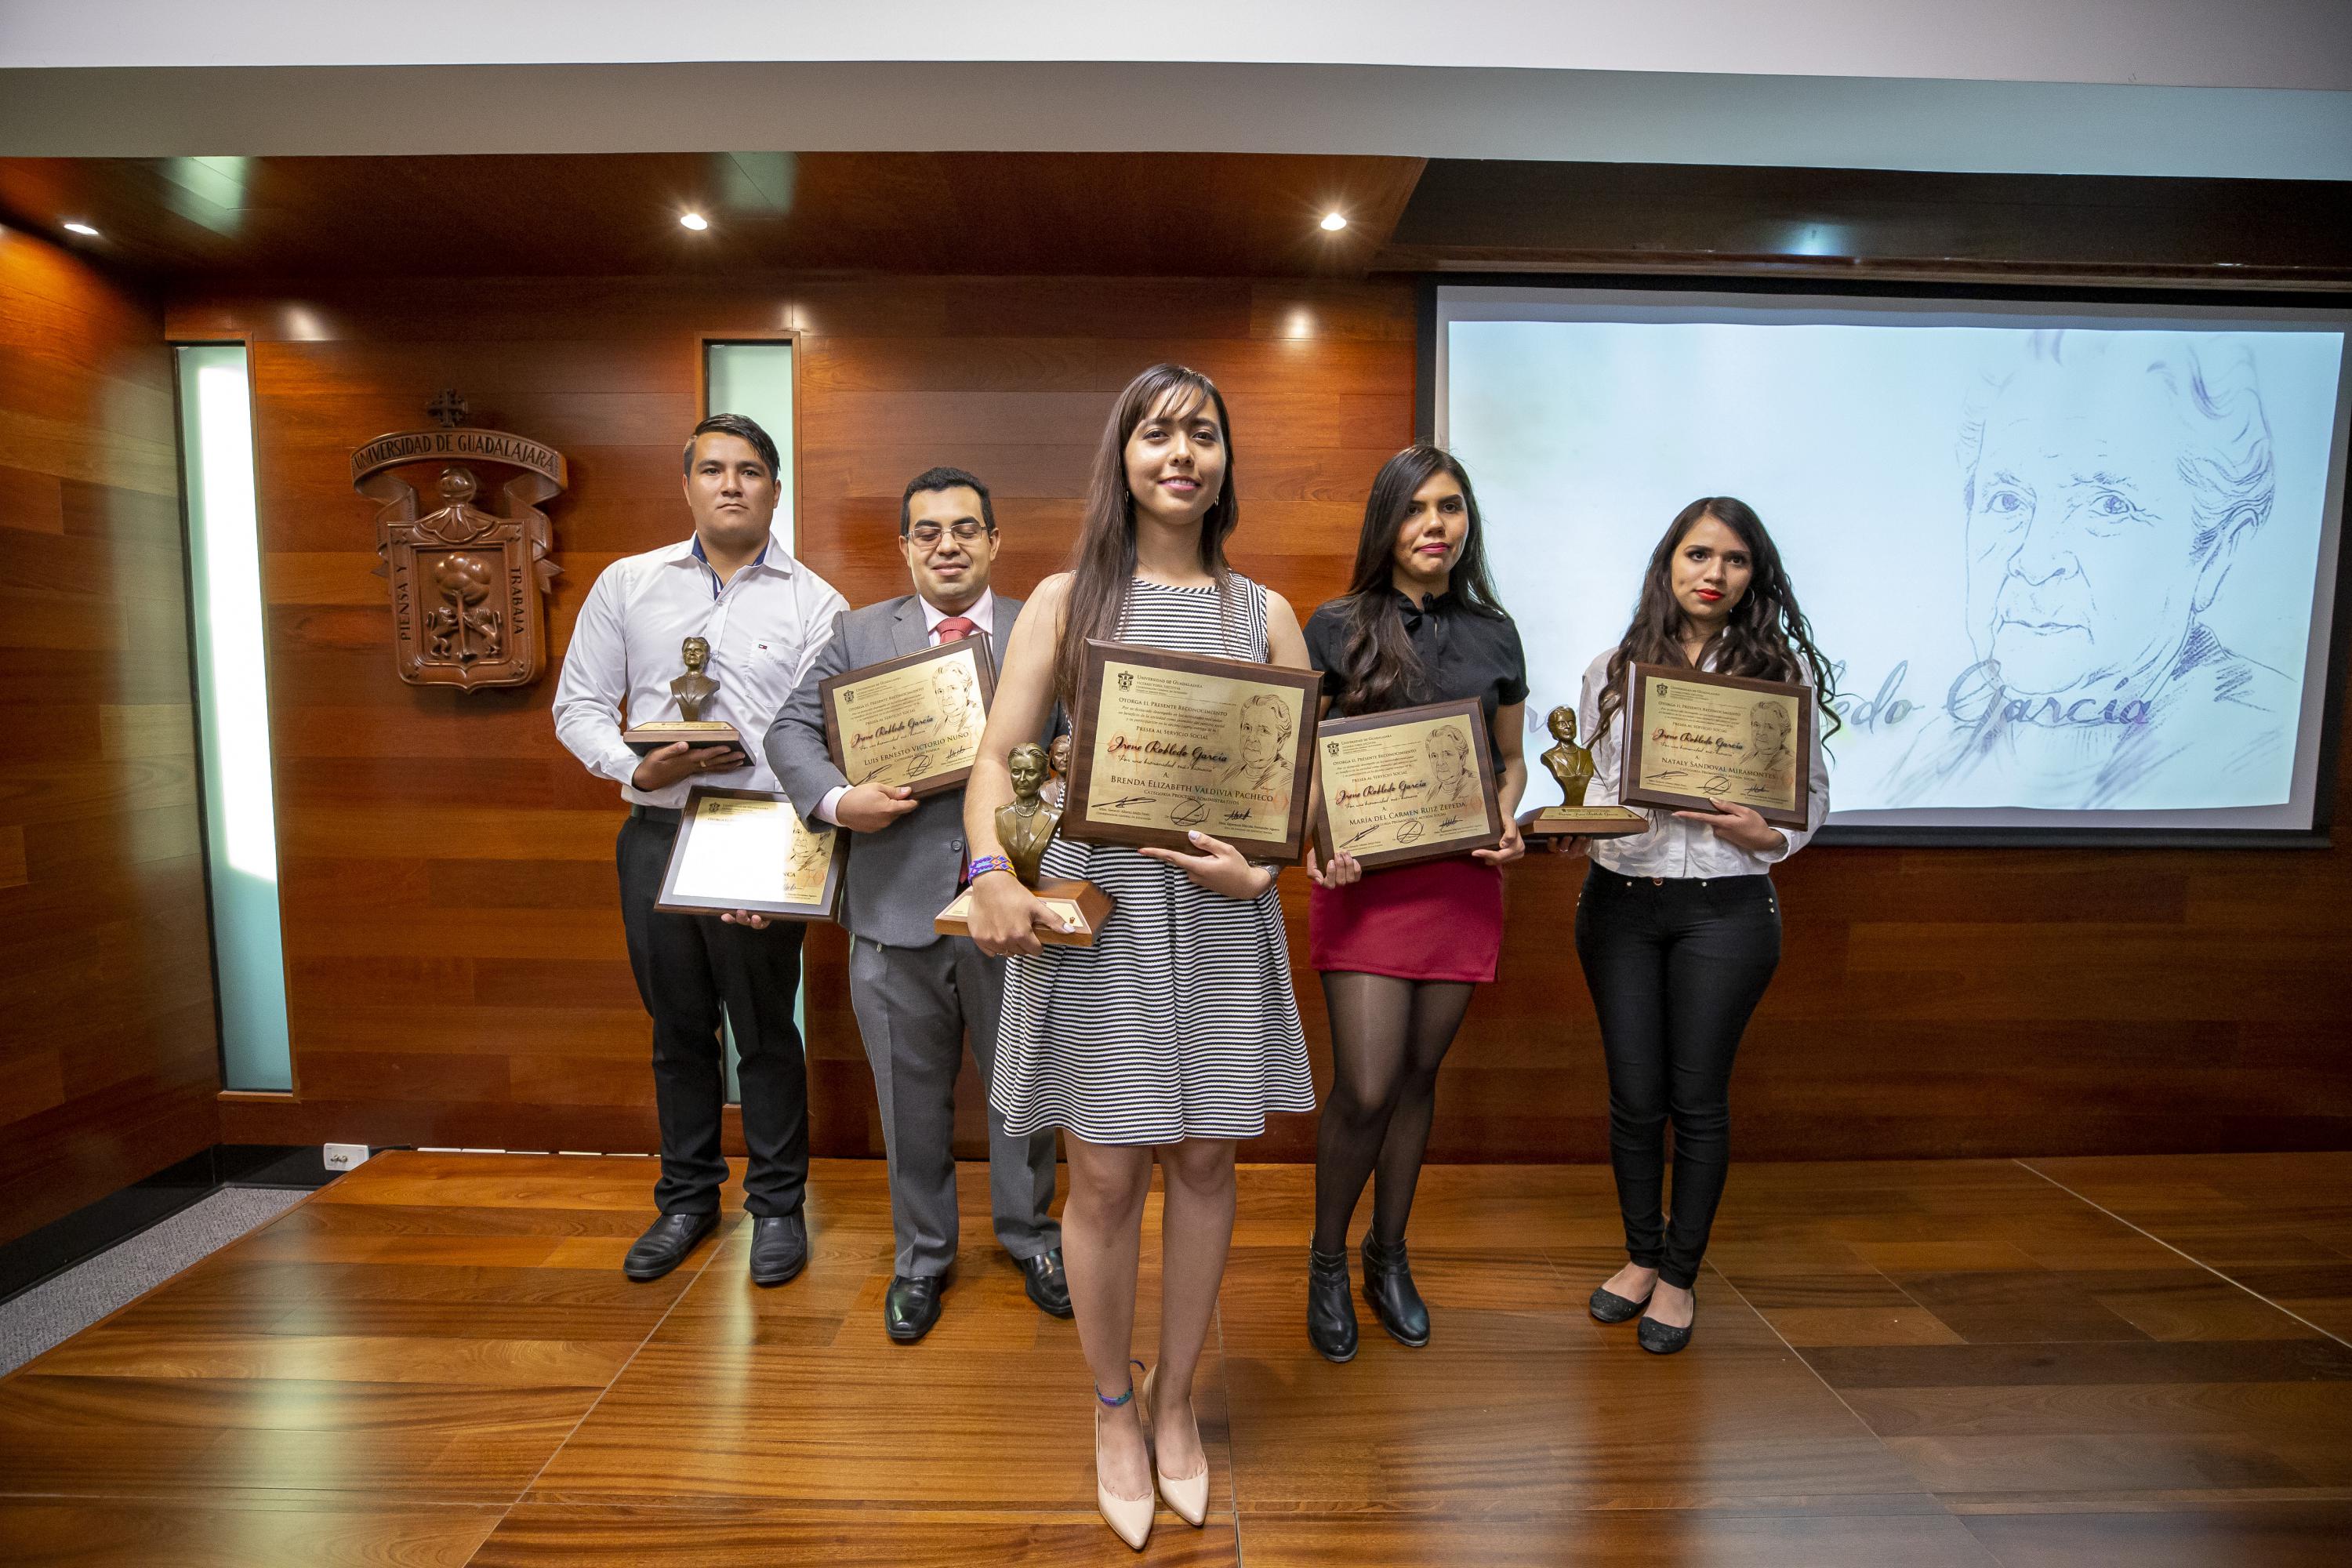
x=2107 y=482
x=1264 y=763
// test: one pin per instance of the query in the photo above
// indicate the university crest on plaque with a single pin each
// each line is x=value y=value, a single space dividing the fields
x=468 y=586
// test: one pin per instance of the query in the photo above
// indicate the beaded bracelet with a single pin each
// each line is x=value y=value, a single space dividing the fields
x=987 y=863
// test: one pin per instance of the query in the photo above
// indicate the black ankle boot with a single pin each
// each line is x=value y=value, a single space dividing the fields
x=1387 y=1285
x=1331 y=1306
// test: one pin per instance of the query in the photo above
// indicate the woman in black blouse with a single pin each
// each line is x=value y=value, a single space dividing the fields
x=1399 y=949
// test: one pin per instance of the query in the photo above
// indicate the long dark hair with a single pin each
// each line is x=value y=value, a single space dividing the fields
x=1103 y=563
x=1378 y=667
x=1767 y=636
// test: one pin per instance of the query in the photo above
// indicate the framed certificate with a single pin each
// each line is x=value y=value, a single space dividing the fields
x=1168 y=743
x=912 y=721
x=1417 y=784
x=746 y=849
x=1692 y=737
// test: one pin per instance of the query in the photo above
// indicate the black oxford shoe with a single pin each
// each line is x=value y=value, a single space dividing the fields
x=665 y=1243
x=1042 y=1277
x=780 y=1249
x=910 y=1307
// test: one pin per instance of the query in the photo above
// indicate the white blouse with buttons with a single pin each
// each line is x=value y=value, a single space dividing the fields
x=1674 y=848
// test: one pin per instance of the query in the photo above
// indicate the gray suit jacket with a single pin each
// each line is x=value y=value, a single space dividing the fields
x=901 y=877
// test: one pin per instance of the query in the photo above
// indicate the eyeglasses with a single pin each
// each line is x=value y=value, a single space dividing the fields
x=927 y=534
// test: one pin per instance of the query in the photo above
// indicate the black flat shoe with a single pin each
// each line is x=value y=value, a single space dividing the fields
x=665 y=1243
x=1331 y=1306
x=780 y=1247
x=1660 y=1340
x=1387 y=1285
x=1610 y=1308
x=1047 y=1286
x=910 y=1307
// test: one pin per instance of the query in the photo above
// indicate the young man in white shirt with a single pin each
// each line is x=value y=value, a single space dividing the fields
x=734 y=585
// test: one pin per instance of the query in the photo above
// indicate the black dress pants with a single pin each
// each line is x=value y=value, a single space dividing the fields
x=687 y=968
x=1675 y=968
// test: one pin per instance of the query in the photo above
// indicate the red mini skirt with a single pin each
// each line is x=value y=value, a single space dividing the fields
x=1442 y=920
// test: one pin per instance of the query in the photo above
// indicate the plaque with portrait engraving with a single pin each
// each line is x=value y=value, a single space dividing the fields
x=747 y=850
x=1170 y=743
x=914 y=720
x=1693 y=737
x=1416 y=784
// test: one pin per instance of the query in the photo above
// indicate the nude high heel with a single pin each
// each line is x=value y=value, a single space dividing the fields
x=1129 y=1518
x=1189 y=1496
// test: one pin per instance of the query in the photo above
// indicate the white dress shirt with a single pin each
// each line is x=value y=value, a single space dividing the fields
x=982 y=615
x=765 y=628
x=1674 y=848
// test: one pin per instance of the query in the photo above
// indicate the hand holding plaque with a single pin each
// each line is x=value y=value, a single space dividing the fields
x=1024 y=829
x=1571 y=766
x=1692 y=738
x=914 y=720
x=1413 y=785
x=693 y=692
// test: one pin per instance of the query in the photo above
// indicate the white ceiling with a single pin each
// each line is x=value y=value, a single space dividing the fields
x=2250 y=88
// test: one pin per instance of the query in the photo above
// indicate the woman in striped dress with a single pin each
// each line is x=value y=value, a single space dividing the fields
x=1177 y=1031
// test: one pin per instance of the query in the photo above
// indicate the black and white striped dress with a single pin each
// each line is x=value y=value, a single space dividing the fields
x=1180 y=1021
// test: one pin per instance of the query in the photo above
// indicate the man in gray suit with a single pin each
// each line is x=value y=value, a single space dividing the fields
x=916 y=994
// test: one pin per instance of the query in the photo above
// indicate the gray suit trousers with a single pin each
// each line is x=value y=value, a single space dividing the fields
x=913 y=1005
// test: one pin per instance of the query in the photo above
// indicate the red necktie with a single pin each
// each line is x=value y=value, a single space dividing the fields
x=954 y=629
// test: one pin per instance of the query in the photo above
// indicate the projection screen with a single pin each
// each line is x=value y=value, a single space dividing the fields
x=2075 y=566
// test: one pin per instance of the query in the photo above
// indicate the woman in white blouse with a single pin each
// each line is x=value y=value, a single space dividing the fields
x=1679 y=928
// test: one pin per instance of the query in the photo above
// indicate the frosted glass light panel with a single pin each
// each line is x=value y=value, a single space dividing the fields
x=233 y=715
x=755 y=380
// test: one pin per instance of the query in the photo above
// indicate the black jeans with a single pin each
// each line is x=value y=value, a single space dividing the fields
x=1675 y=967
x=687 y=966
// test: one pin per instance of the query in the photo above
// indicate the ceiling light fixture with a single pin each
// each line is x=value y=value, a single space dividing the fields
x=1334 y=222
x=81 y=228
x=695 y=221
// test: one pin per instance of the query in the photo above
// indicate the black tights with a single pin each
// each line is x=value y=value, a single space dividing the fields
x=1388 y=1037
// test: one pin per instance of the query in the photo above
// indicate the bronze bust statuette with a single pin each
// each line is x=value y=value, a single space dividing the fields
x=1571 y=766
x=693 y=692
x=1057 y=768
x=1024 y=828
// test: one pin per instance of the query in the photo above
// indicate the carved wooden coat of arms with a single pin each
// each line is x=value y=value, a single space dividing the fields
x=469 y=586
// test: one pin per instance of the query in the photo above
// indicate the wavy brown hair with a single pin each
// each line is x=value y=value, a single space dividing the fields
x=1102 y=565
x=1378 y=668
x=1767 y=637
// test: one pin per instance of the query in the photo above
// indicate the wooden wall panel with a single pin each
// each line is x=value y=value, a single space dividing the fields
x=108 y=1060
x=456 y=958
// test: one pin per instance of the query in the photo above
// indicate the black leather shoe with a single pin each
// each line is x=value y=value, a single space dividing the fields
x=665 y=1243
x=1331 y=1306
x=1387 y=1285
x=780 y=1247
x=1047 y=1286
x=1610 y=1308
x=910 y=1307
x=1660 y=1340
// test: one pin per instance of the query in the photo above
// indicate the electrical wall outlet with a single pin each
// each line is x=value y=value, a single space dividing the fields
x=344 y=1156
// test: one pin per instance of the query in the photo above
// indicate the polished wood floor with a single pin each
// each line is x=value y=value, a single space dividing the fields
x=1997 y=1364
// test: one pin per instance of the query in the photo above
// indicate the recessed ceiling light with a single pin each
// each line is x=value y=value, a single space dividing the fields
x=1334 y=222
x=81 y=228
x=695 y=221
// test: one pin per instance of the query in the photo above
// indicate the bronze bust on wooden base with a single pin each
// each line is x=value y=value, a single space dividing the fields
x=1024 y=828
